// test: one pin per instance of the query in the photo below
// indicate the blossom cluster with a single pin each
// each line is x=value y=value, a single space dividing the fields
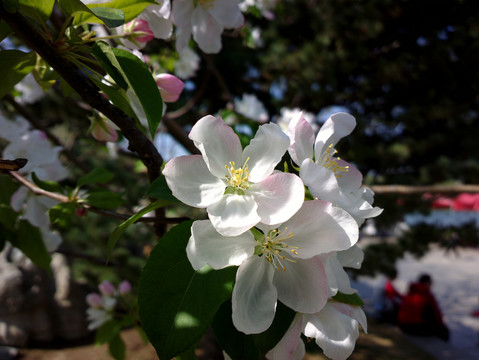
x=102 y=304
x=43 y=160
x=287 y=249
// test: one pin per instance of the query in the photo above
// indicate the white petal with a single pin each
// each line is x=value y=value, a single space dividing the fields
x=18 y=198
x=254 y=296
x=351 y=179
x=207 y=247
x=182 y=11
x=36 y=212
x=354 y=312
x=291 y=346
x=279 y=197
x=265 y=151
x=233 y=214
x=322 y=182
x=206 y=31
x=218 y=144
x=302 y=139
x=159 y=19
x=335 y=128
x=303 y=286
x=318 y=228
x=227 y=13
x=352 y=257
x=334 y=332
x=338 y=279
x=191 y=182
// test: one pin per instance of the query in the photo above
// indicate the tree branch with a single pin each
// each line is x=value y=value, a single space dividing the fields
x=411 y=189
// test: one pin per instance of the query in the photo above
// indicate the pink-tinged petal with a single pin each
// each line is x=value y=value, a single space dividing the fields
x=338 y=278
x=217 y=143
x=124 y=287
x=351 y=179
x=303 y=286
x=335 y=128
x=254 y=296
x=106 y=288
x=279 y=196
x=170 y=87
x=94 y=300
x=206 y=31
x=291 y=346
x=302 y=139
x=159 y=19
x=322 y=182
x=265 y=151
x=334 y=332
x=181 y=12
x=191 y=182
x=318 y=228
x=233 y=214
x=207 y=247
x=227 y=13
x=352 y=257
x=354 y=312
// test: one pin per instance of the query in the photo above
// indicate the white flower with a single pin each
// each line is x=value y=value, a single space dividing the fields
x=188 y=64
x=335 y=329
x=97 y=316
x=159 y=19
x=29 y=89
x=238 y=188
x=205 y=20
x=328 y=177
x=279 y=263
x=12 y=129
x=287 y=114
x=252 y=108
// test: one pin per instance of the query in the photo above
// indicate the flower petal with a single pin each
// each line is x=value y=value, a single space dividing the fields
x=206 y=30
x=218 y=144
x=334 y=332
x=227 y=13
x=254 y=296
x=207 y=247
x=182 y=10
x=303 y=286
x=302 y=139
x=191 y=182
x=318 y=228
x=322 y=182
x=291 y=346
x=233 y=214
x=335 y=128
x=352 y=257
x=265 y=151
x=279 y=196
x=338 y=278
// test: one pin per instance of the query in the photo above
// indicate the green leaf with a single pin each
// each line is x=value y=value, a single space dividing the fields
x=188 y=354
x=351 y=299
x=107 y=331
x=51 y=186
x=30 y=241
x=15 y=65
x=130 y=8
x=117 y=348
x=8 y=186
x=104 y=54
x=236 y=344
x=116 y=234
x=159 y=190
x=75 y=8
x=104 y=199
x=144 y=85
x=118 y=97
x=39 y=10
x=96 y=176
x=62 y=214
x=8 y=217
x=5 y=30
x=11 y=5
x=177 y=303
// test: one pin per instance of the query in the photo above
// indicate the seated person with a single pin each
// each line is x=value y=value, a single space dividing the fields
x=419 y=313
x=390 y=301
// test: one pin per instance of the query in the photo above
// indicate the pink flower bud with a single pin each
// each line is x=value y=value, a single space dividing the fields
x=124 y=287
x=80 y=212
x=170 y=87
x=106 y=288
x=94 y=300
x=139 y=30
x=103 y=130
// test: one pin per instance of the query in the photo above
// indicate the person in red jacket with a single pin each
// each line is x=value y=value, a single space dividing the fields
x=391 y=300
x=419 y=313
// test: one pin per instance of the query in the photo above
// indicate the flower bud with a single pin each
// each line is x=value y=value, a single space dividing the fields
x=170 y=87
x=139 y=31
x=124 y=287
x=102 y=129
x=106 y=288
x=94 y=300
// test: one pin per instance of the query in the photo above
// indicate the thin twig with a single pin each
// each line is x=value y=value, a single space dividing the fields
x=412 y=189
